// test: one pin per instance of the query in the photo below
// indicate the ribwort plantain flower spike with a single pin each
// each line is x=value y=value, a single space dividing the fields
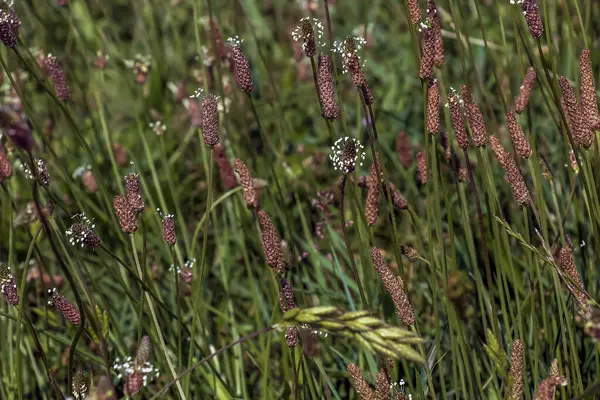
x=310 y=32
x=68 y=310
x=241 y=66
x=346 y=152
x=8 y=285
x=326 y=88
x=81 y=233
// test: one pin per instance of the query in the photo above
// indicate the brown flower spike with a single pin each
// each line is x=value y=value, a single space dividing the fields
x=8 y=285
x=498 y=150
x=126 y=215
x=382 y=388
x=210 y=120
x=168 y=228
x=516 y=180
x=517 y=136
x=359 y=383
x=548 y=387
x=5 y=166
x=580 y=130
x=68 y=310
x=517 y=365
x=58 y=76
x=241 y=67
x=428 y=51
x=525 y=90
x=589 y=103
x=271 y=243
x=133 y=192
x=372 y=204
x=143 y=352
x=414 y=11
x=286 y=302
x=395 y=287
x=533 y=18
x=326 y=88
x=433 y=107
x=474 y=118
x=367 y=94
x=458 y=123
x=432 y=14
x=421 y=168
x=245 y=178
x=573 y=279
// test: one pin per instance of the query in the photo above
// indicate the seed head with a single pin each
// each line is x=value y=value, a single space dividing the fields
x=516 y=180
x=421 y=168
x=403 y=149
x=582 y=133
x=291 y=336
x=554 y=368
x=374 y=187
x=226 y=173
x=8 y=285
x=245 y=179
x=79 y=386
x=414 y=11
x=271 y=243
x=458 y=123
x=210 y=120
x=59 y=79
x=41 y=172
x=517 y=365
x=428 y=51
x=533 y=18
x=143 y=352
x=367 y=94
x=134 y=383
x=433 y=107
x=525 y=90
x=286 y=296
x=345 y=153
x=410 y=252
x=326 y=88
x=589 y=103
x=382 y=388
x=133 y=192
x=126 y=215
x=397 y=199
x=310 y=32
x=68 y=310
x=5 y=166
x=168 y=228
x=9 y=24
x=517 y=136
x=359 y=383
x=351 y=60
x=573 y=279
x=474 y=118
x=499 y=151
x=432 y=15
x=243 y=74
x=395 y=287
x=82 y=232
x=548 y=387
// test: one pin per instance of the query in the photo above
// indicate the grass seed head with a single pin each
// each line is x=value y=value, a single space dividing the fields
x=474 y=118
x=133 y=192
x=68 y=310
x=522 y=146
x=458 y=123
x=241 y=66
x=210 y=120
x=433 y=107
x=589 y=103
x=248 y=191
x=525 y=90
x=533 y=18
x=126 y=215
x=271 y=243
x=326 y=88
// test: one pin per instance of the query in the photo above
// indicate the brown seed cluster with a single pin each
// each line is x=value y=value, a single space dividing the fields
x=5 y=166
x=9 y=25
x=286 y=302
x=458 y=123
x=168 y=229
x=84 y=234
x=326 y=88
x=421 y=168
x=410 y=252
x=517 y=365
x=582 y=133
x=41 y=172
x=8 y=285
x=126 y=215
x=308 y=37
x=68 y=310
x=517 y=136
x=226 y=173
x=403 y=149
x=414 y=11
x=516 y=180
x=245 y=178
x=398 y=200
x=271 y=243
x=428 y=52
x=134 y=383
x=359 y=383
x=133 y=192
x=433 y=107
x=533 y=18
x=474 y=118
x=589 y=103
x=210 y=120
x=353 y=62
x=241 y=66
x=372 y=203
x=525 y=90
x=143 y=352
x=395 y=287
x=432 y=15
x=382 y=387
x=548 y=387
x=59 y=79
x=499 y=151
x=367 y=94
x=573 y=279
x=79 y=385
x=554 y=369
